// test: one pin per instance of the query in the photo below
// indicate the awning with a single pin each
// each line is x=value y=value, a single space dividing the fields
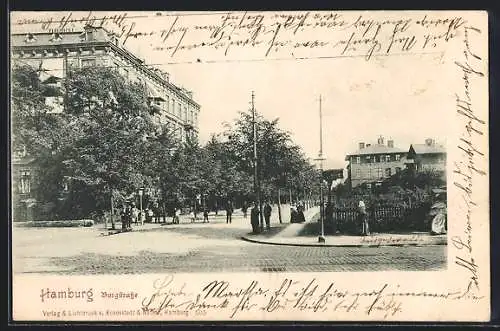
x=52 y=80
x=153 y=93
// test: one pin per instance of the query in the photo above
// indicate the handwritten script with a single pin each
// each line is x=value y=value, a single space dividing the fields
x=170 y=297
x=268 y=35
x=467 y=169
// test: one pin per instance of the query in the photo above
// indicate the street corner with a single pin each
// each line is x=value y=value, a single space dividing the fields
x=376 y=240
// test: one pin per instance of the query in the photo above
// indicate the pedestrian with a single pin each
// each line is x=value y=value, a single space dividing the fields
x=293 y=214
x=244 y=209
x=177 y=214
x=135 y=214
x=161 y=211
x=300 y=214
x=128 y=216
x=363 y=219
x=267 y=215
x=205 y=215
x=123 y=217
x=192 y=216
x=254 y=218
x=229 y=211
x=142 y=216
x=150 y=216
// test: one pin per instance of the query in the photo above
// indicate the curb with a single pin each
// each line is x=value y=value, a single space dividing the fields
x=256 y=241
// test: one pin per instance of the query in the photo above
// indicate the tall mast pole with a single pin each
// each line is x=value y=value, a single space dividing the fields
x=321 y=237
x=255 y=164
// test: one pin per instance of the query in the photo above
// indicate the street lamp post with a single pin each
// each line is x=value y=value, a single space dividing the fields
x=141 y=192
x=256 y=182
x=321 y=237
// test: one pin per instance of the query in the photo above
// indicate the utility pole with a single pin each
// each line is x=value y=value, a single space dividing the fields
x=256 y=184
x=321 y=237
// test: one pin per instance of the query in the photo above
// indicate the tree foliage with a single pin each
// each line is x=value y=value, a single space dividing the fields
x=108 y=143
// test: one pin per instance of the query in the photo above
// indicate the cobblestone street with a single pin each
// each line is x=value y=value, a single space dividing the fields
x=198 y=247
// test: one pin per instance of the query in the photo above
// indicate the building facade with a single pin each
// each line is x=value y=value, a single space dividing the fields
x=55 y=53
x=372 y=163
x=429 y=156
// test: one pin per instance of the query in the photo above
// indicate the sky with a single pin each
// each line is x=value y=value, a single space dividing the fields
x=398 y=97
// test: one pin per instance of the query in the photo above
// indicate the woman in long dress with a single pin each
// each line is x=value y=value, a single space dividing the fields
x=439 y=221
x=438 y=212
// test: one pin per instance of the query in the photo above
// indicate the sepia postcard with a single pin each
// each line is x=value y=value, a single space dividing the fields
x=249 y=166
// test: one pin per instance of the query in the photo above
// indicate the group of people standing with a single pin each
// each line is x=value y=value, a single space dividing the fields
x=131 y=214
x=255 y=217
x=297 y=213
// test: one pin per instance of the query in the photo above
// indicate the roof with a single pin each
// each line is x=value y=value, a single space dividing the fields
x=428 y=149
x=65 y=38
x=376 y=149
x=52 y=80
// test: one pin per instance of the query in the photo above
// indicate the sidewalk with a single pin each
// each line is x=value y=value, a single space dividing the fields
x=290 y=237
x=374 y=240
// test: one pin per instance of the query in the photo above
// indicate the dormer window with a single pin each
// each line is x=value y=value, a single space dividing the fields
x=30 y=37
x=56 y=37
x=87 y=35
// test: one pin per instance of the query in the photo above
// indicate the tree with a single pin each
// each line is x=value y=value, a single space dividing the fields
x=279 y=159
x=36 y=131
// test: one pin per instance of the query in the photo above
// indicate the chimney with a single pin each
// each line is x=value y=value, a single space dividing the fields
x=165 y=76
x=390 y=143
x=361 y=145
x=380 y=140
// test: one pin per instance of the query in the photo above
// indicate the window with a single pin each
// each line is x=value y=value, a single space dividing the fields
x=358 y=173
x=387 y=158
x=368 y=159
x=185 y=114
x=379 y=172
x=398 y=157
x=65 y=184
x=88 y=63
x=30 y=38
x=172 y=109
x=21 y=152
x=89 y=35
x=388 y=172
x=358 y=159
x=167 y=104
x=25 y=182
x=56 y=37
x=179 y=110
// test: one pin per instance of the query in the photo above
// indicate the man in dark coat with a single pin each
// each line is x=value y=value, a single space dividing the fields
x=229 y=211
x=267 y=215
x=244 y=209
x=205 y=215
x=254 y=218
x=123 y=216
